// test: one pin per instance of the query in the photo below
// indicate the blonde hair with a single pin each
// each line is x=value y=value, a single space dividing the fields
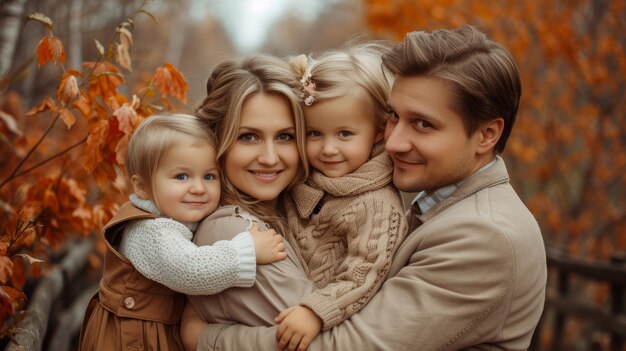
x=230 y=84
x=155 y=136
x=355 y=68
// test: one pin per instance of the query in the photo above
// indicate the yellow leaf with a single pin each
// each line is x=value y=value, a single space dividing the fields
x=40 y=17
x=67 y=89
x=10 y=123
x=123 y=57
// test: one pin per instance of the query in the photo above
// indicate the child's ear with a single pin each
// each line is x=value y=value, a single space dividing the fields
x=380 y=136
x=140 y=187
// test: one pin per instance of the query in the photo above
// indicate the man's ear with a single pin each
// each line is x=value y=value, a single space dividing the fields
x=140 y=187
x=489 y=134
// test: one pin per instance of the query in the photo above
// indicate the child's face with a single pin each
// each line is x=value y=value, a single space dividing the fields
x=186 y=184
x=341 y=133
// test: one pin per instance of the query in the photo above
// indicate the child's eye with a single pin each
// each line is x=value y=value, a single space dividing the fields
x=314 y=134
x=285 y=137
x=344 y=134
x=248 y=137
x=181 y=176
x=210 y=177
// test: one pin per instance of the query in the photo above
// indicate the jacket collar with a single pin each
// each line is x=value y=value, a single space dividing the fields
x=494 y=175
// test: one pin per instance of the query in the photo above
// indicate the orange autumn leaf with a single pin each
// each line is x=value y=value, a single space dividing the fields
x=96 y=139
x=105 y=79
x=68 y=117
x=47 y=105
x=50 y=48
x=83 y=104
x=170 y=82
x=127 y=116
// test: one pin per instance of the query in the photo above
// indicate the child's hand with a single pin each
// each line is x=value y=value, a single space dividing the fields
x=298 y=327
x=269 y=246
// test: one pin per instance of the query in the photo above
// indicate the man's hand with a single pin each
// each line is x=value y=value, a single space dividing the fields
x=269 y=245
x=298 y=327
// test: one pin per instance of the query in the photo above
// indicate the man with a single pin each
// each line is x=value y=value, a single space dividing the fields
x=472 y=272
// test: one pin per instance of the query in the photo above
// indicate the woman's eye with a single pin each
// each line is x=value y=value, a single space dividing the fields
x=181 y=176
x=314 y=134
x=285 y=137
x=344 y=134
x=393 y=116
x=248 y=137
x=210 y=177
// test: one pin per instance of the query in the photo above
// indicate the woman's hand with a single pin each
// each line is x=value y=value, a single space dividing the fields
x=298 y=327
x=269 y=245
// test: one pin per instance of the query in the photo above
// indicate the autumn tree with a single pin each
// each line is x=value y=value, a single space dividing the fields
x=62 y=170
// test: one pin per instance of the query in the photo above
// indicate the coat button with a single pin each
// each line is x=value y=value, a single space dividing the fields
x=129 y=303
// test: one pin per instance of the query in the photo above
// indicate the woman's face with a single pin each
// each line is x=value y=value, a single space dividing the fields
x=264 y=159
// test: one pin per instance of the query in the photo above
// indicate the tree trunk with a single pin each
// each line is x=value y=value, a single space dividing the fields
x=11 y=23
x=76 y=46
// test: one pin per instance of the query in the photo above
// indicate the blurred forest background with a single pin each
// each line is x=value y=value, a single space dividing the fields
x=77 y=79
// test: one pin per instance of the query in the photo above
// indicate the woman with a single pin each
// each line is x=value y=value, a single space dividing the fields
x=253 y=108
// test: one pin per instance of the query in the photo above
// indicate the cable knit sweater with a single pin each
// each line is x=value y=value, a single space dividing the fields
x=161 y=249
x=345 y=231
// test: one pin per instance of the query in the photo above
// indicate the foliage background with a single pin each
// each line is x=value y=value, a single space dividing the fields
x=565 y=156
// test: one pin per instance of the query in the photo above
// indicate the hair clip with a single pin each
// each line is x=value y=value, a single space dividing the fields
x=307 y=84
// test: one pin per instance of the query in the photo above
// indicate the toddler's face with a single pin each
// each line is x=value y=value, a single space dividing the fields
x=186 y=184
x=341 y=133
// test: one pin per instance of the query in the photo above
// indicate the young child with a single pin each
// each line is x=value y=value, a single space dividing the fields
x=347 y=219
x=171 y=162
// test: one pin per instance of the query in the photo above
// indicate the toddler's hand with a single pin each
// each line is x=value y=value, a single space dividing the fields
x=269 y=246
x=298 y=327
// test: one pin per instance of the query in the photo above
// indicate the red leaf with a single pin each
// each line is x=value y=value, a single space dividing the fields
x=50 y=48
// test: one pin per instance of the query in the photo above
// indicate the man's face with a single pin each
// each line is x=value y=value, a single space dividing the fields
x=426 y=138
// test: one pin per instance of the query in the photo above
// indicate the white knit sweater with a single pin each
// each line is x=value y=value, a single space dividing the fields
x=161 y=249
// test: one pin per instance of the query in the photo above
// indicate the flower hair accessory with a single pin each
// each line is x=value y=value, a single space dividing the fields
x=301 y=64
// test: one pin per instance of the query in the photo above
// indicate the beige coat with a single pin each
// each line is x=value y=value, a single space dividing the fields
x=130 y=311
x=346 y=231
x=472 y=276
x=277 y=286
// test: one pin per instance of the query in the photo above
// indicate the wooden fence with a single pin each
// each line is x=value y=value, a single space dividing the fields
x=562 y=303
x=56 y=307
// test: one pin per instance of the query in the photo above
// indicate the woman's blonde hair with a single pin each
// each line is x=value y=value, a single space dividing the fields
x=230 y=84
x=155 y=136
x=356 y=68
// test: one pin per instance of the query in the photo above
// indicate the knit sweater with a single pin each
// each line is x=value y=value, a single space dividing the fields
x=161 y=249
x=345 y=231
